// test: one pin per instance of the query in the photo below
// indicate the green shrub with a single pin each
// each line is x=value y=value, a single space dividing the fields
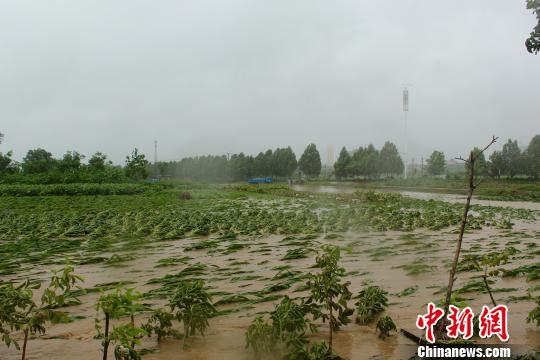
x=259 y=336
x=385 y=325
x=534 y=315
x=192 y=305
x=372 y=300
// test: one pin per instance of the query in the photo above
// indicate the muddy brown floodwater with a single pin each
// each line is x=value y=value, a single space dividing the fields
x=377 y=257
x=335 y=188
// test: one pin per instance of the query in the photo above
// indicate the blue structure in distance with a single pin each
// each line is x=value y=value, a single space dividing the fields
x=266 y=180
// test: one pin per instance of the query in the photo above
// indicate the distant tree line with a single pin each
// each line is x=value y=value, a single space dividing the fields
x=280 y=163
x=40 y=167
x=369 y=162
x=509 y=162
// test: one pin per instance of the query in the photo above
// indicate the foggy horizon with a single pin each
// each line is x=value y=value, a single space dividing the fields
x=212 y=77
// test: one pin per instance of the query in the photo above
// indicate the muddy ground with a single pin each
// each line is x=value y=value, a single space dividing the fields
x=383 y=259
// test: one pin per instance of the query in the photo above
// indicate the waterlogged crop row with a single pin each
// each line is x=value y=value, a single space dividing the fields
x=77 y=189
x=34 y=229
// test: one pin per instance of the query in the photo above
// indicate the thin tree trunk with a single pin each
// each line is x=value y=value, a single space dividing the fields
x=489 y=291
x=451 y=278
x=281 y=349
x=106 y=340
x=23 y=357
x=186 y=329
x=331 y=325
x=452 y=275
x=133 y=325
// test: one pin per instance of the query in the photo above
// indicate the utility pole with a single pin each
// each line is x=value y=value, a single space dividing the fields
x=155 y=160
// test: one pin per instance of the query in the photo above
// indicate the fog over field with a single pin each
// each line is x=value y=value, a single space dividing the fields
x=212 y=77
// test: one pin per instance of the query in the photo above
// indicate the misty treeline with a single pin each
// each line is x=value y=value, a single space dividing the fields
x=509 y=162
x=368 y=162
x=280 y=163
x=40 y=167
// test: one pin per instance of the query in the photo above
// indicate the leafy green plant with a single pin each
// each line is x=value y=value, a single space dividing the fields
x=408 y=291
x=18 y=311
x=15 y=301
x=286 y=328
x=328 y=290
x=385 y=325
x=160 y=323
x=290 y=324
x=192 y=306
x=486 y=261
x=534 y=315
x=315 y=351
x=260 y=336
x=125 y=337
x=122 y=302
x=131 y=306
x=372 y=301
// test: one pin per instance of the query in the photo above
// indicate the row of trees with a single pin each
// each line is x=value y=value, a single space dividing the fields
x=511 y=161
x=281 y=163
x=40 y=166
x=369 y=162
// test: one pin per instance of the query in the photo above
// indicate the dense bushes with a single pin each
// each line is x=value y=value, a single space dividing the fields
x=78 y=189
x=108 y=175
x=40 y=167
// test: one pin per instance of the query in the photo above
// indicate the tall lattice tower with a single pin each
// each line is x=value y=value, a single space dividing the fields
x=405 y=139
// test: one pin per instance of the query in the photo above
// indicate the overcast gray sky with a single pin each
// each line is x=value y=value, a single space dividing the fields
x=209 y=77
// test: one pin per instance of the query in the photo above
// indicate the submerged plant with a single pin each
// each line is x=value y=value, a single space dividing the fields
x=328 y=290
x=315 y=351
x=160 y=323
x=492 y=259
x=372 y=301
x=534 y=315
x=192 y=305
x=18 y=311
x=125 y=336
x=287 y=327
x=290 y=324
x=385 y=325
x=122 y=302
x=260 y=336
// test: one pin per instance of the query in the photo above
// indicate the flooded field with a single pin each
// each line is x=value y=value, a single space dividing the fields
x=336 y=188
x=249 y=273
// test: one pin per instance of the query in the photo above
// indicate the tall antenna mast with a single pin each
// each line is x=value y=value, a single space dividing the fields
x=405 y=112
